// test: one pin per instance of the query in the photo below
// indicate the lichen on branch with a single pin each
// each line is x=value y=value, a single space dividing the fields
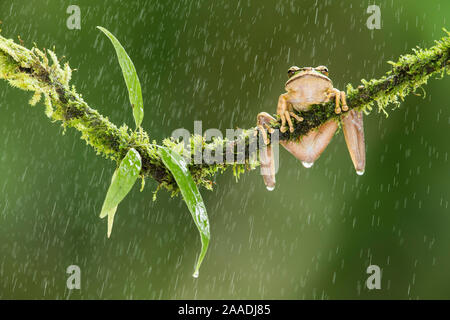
x=32 y=70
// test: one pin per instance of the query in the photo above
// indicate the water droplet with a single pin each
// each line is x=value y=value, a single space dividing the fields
x=360 y=172
x=307 y=164
x=195 y=275
x=270 y=188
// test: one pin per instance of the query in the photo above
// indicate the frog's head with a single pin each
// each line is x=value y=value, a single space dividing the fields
x=307 y=77
x=294 y=70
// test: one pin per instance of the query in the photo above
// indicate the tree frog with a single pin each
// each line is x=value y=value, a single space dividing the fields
x=305 y=87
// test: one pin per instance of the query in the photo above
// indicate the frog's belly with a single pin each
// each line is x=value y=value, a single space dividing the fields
x=303 y=99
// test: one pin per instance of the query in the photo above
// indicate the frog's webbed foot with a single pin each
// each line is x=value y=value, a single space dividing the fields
x=266 y=156
x=340 y=98
x=309 y=147
x=353 y=128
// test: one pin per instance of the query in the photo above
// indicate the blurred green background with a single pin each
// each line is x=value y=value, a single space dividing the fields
x=222 y=62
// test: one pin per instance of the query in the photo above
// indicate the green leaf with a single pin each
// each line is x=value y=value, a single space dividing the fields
x=131 y=78
x=122 y=181
x=111 y=213
x=179 y=169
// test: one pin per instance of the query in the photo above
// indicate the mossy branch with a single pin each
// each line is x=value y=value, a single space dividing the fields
x=31 y=70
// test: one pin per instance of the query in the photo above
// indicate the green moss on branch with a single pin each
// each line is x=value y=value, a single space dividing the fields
x=31 y=70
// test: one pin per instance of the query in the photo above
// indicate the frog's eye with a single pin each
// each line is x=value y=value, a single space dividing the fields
x=322 y=69
x=292 y=71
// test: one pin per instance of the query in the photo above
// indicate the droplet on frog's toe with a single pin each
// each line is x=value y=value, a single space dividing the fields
x=359 y=172
x=270 y=188
x=307 y=164
x=195 y=275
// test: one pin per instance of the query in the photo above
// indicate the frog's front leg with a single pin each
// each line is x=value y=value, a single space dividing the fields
x=263 y=120
x=344 y=101
x=353 y=127
x=340 y=98
x=284 y=110
x=309 y=147
x=266 y=157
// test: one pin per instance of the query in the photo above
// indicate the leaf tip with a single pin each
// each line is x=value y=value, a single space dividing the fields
x=110 y=221
x=103 y=213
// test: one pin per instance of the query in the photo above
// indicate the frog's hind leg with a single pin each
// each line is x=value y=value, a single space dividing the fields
x=353 y=128
x=266 y=157
x=309 y=147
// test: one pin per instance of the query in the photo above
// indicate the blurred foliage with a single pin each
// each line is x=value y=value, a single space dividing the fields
x=223 y=62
